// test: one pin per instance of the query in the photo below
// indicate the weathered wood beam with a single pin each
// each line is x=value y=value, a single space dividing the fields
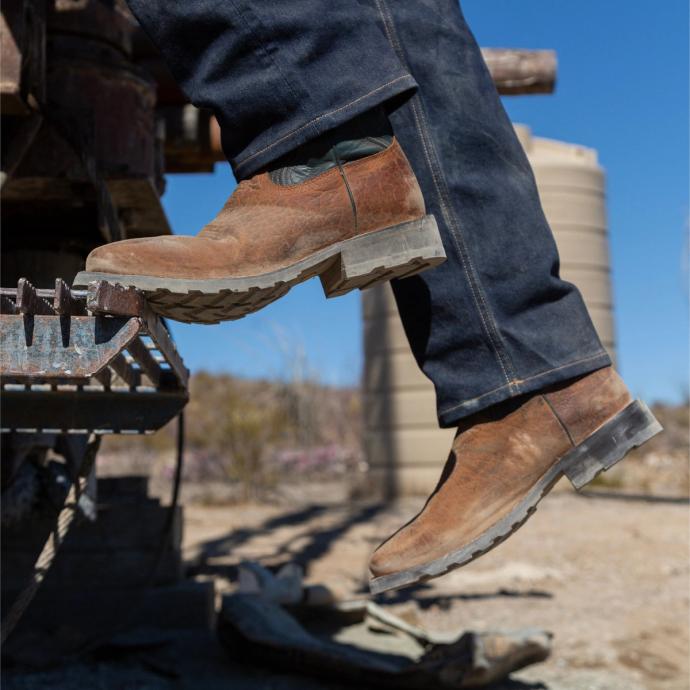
x=516 y=71
x=22 y=55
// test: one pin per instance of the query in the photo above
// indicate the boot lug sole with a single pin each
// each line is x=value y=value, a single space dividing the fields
x=398 y=251
x=609 y=444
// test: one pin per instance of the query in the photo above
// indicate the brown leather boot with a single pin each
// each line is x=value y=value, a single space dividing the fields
x=503 y=461
x=355 y=224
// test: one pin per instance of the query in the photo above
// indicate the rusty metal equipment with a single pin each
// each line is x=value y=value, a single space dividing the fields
x=83 y=132
x=82 y=164
x=96 y=361
x=79 y=363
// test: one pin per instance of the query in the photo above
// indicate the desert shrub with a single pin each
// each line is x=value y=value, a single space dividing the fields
x=255 y=432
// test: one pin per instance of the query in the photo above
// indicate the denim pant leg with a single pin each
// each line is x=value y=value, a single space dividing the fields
x=495 y=320
x=276 y=74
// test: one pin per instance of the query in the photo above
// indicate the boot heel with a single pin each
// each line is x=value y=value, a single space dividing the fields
x=395 y=252
x=629 y=429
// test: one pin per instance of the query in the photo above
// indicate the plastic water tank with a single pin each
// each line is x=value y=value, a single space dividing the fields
x=403 y=444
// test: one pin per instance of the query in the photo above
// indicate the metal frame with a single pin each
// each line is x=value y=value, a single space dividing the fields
x=88 y=361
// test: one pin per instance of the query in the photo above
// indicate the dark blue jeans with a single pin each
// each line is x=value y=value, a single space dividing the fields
x=495 y=321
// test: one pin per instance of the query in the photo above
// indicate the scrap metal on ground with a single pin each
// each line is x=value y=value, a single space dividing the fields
x=358 y=642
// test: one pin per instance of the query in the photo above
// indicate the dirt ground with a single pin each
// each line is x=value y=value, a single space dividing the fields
x=608 y=576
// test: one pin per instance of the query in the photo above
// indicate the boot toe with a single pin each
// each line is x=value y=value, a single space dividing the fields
x=122 y=258
x=168 y=256
x=388 y=558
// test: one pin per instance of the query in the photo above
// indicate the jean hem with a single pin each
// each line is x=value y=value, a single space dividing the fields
x=451 y=416
x=254 y=161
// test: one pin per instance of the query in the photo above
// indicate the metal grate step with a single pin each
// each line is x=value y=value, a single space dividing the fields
x=86 y=361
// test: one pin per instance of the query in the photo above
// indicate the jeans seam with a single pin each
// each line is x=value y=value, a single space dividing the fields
x=311 y=122
x=487 y=319
x=518 y=383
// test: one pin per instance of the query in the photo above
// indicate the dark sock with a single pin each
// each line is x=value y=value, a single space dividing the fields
x=362 y=136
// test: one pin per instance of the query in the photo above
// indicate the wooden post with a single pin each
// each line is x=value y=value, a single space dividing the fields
x=522 y=71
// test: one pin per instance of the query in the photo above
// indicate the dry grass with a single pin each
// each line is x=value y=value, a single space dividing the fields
x=252 y=434
x=247 y=437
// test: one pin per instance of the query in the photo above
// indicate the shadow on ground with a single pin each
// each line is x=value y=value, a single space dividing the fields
x=303 y=547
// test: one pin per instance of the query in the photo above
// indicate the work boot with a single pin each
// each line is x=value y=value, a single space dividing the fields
x=502 y=462
x=345 y=207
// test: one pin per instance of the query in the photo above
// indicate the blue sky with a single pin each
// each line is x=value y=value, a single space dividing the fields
x=623 y=90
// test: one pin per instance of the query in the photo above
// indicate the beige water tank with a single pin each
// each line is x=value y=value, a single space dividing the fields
x=404 y=447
